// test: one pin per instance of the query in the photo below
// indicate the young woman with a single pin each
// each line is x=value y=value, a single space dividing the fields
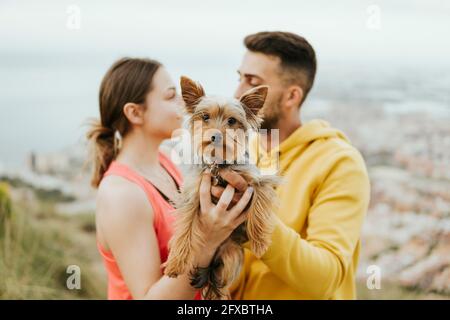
x=139 y=108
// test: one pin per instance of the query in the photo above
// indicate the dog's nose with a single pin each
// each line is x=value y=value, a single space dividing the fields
x=216 y=137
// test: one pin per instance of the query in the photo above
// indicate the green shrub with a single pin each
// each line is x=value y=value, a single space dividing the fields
x=5 y=202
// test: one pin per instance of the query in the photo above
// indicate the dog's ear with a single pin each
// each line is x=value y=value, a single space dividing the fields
x=254 y=98
x=192 y=92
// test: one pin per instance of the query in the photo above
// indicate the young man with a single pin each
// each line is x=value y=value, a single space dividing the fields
x=325 y=191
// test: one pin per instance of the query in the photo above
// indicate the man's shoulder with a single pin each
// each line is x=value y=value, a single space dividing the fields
x=328 y=153
x=342 y=148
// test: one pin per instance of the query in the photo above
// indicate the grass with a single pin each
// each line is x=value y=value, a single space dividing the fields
x=36 y=247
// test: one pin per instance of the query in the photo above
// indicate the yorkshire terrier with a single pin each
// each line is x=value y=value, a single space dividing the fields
x=220 y=132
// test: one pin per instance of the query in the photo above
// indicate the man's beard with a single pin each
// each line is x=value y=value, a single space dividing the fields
x=269 y=124
x=271 y=118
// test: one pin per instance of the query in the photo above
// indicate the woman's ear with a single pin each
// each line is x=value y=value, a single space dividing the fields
x=134 y=113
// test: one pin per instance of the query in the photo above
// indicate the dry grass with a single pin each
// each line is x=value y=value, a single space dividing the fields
x=36 y=247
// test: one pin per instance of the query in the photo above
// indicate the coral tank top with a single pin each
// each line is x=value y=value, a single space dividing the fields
x=162 y=223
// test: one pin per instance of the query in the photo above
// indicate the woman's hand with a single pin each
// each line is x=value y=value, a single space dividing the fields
x=217 y=221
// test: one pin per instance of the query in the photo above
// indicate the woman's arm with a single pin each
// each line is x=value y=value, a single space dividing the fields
x=125 y=215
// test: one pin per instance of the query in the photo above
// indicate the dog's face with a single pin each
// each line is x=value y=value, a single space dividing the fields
x=219 y=126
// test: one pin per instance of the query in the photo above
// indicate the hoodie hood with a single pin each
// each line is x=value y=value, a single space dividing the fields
x=309 y=132
x=297 y=142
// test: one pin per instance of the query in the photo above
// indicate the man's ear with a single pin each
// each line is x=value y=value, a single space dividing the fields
x=294 y=96
x=254 y=98
x=134 y=113
x=191 y=92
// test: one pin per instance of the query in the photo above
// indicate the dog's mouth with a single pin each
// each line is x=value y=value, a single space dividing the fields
x=223 y=152
x=216 y=152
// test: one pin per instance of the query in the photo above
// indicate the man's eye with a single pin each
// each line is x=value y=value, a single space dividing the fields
x=205 y=117
x=252 y=82
x=231 y=121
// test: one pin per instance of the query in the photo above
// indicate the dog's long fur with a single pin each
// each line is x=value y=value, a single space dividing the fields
x=188 y=238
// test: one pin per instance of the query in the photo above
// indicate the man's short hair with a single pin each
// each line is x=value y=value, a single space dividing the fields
x=297 y=56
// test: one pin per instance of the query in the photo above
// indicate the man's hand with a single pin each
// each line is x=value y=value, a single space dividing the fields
x=235 y=180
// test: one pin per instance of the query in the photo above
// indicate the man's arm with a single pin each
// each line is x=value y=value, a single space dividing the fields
x=317 y=264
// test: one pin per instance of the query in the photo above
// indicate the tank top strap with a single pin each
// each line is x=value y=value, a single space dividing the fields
x=171 y=168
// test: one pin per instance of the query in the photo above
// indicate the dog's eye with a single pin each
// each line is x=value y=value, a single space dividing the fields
x=231 y=121
x=205 y=117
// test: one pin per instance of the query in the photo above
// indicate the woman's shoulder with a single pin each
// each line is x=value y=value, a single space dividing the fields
x=121 y=209
x=120 y=197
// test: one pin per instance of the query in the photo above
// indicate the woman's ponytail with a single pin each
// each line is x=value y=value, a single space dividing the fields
x=103 y=152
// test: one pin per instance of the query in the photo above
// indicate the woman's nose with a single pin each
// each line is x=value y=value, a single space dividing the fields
x=180 y=103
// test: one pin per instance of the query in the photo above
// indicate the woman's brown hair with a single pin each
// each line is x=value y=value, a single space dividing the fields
x=128 y=80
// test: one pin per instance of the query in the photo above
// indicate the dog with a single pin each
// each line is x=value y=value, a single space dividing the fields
x=211 y=119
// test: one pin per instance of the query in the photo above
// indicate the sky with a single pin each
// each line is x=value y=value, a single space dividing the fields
x=53 y=53
x=406 y=29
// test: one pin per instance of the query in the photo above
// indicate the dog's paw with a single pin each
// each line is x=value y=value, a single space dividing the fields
x=200 y=277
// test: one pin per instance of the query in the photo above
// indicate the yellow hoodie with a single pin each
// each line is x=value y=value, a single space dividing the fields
x=322 y=203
